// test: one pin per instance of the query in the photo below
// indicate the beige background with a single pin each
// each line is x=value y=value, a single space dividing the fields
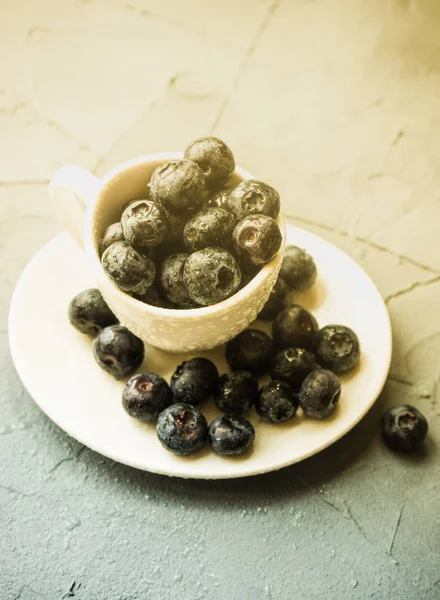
x=337 y=104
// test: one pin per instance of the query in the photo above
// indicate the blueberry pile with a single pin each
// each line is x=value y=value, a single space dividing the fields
x=192 y=241
x=302 y=359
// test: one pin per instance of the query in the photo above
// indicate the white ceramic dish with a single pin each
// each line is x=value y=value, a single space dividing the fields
x=56 y=365
x=86 y=206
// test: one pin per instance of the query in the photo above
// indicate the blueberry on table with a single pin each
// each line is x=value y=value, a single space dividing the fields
x=178 y=185
x=252 y=197
x=251 y=350
x=275 y=302
x=118 y=351
x=182 y=429
x=230 y=435
x=89 y=312
x=210 y=227
x=145 y=396
x=128 y=269
x=277 y=402
x=211 y=275
x=256 y=240
x=295 y=326
x=214 y=158
x=194 y=380
x=171 y=280
x=144 y=224
x=236 y=392
x=112 y=234
x=292 y=365
x=337 y=348
x=298 y=268
x=404 y=428
x=218 y=199
x=319 y=393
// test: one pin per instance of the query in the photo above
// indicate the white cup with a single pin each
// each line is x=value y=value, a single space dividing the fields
x=86 y=206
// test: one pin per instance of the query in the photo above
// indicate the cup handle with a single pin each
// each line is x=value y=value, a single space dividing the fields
x=70 y=191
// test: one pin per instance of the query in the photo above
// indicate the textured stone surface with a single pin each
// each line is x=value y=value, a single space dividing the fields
x=335 y=104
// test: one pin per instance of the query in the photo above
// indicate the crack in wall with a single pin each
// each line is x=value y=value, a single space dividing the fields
x=36 y=116
x=393 y=539
x=411 y=288
x=75 y=456
x=362 y=240
x=247 y=55
x=399 y=379
x=18 y=492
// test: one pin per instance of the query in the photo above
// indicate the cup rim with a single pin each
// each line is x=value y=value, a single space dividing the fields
x=178 y=314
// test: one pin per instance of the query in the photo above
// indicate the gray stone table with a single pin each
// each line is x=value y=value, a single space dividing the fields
x=336 y=104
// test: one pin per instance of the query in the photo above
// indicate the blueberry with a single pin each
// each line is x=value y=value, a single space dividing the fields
x=144 y=224
x=218 y=199
x=128 y=269
x=89 y=313
x=230 y=435
x=164 y=250
x=133 y=200
x=182 y=429
x=112 y=234
x=275 y=302
x=165 y=303
x=194 y=380
x=236 y=392
x=211 y=275
x=277 y=402
x=210 y=227
x=247 y=277
x=292 y=365
x=178 y=185
x=146 y=196
x=253 y=197
x=319 y=394
x=118 y=351
x=404 y=428
x=149 y=252
x=152 y=296
x=214 y=158
x=145 y=396
x=295 y=326
x=337 y=348
x=176 y=224
x=298 y=268
x=256 y=239
x=251 y=350
x=171 y=280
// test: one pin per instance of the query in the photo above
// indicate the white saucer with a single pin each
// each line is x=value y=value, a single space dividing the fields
x=56 y=365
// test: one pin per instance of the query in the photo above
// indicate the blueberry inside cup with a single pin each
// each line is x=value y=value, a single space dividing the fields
x=196 y=235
